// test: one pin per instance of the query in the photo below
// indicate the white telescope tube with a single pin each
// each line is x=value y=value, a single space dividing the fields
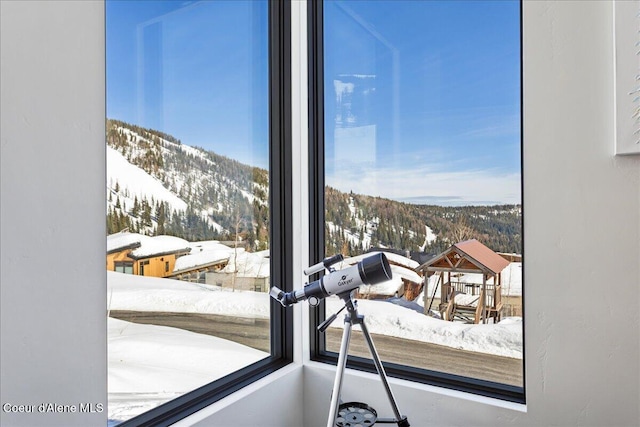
x=370 y=271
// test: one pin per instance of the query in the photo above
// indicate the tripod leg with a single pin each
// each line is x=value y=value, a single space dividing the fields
x=337 y=383
x=383 y=376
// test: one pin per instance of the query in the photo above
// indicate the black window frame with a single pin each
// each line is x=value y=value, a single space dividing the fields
x=281 y=236
x=318 y=351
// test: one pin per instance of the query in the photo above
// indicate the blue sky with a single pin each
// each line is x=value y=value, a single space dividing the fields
x=195 y=70
x=422 y=98
x=435 y=100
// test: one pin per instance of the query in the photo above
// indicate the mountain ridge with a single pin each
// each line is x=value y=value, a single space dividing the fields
x=207 y=196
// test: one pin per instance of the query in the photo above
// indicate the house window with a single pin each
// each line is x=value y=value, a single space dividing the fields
x=199 y=164
x=125 y=267
x=415 y=135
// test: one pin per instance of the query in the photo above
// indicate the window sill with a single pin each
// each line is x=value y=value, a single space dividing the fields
x=406 y=386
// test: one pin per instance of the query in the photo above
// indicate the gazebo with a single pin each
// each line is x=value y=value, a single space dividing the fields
x=470 y=301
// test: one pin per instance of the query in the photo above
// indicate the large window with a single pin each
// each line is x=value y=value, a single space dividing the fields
x=416 y=136
x=198 y=201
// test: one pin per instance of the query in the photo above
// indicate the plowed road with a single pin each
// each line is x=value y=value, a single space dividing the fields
x=255 y=333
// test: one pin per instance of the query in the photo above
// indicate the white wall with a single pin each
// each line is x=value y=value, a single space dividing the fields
x=274 y=401
x=582 y=237
x=52 y=209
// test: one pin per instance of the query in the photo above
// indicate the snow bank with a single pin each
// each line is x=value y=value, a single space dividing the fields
x=127 y=292
x=149 y=365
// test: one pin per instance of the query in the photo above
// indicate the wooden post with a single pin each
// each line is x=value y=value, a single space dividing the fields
x=483 y=298
x=433 y=294
x=444 y=290
x=479 y=308
x=425 y=296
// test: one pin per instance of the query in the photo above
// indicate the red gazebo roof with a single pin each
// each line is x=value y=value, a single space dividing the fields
x=468 y=255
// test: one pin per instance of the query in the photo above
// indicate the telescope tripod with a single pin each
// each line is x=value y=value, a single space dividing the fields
x=355 y=414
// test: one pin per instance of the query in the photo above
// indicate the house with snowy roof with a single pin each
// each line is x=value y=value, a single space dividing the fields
x=248 y=271
x=133 y=253
x=205 y=258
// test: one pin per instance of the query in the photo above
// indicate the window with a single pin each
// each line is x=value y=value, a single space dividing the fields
x=199 y=195
x=141 y=267
x=415 y=135
x=124 y=267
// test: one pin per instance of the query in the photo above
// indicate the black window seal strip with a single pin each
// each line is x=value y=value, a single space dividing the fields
x=281 y=237
x=318 y=351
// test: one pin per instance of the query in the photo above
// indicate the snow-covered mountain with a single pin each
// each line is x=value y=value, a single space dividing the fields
x=354 y=223
x=158 y=185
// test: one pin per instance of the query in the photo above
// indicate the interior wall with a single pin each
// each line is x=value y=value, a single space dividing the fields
x=52 y=210
x=582 y=247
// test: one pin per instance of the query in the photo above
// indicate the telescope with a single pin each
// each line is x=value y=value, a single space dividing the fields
x=370 y=271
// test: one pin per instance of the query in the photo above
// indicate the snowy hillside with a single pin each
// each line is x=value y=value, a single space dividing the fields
x=131 y=182
x=157 y=185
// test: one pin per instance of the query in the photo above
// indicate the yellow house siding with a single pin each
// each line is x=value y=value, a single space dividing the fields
x=156 y=266
x=160 y=266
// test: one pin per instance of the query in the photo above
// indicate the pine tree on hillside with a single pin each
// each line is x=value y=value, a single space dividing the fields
x=161 y=218
x=146 y=214
x=135 y=212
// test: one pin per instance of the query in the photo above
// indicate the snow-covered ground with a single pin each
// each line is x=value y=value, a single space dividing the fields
x=127 y=292
x=149 y=365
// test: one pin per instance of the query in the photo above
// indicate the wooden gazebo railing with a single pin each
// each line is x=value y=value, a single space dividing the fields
x=471 y=302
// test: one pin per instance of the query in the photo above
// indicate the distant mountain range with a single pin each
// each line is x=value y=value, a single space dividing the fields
x=157 y=185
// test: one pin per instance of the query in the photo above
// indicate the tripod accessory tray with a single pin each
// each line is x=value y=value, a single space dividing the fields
x=356 y=414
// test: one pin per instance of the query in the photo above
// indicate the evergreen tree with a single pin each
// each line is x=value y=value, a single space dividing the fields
x=136 y=207
x=160 y=214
